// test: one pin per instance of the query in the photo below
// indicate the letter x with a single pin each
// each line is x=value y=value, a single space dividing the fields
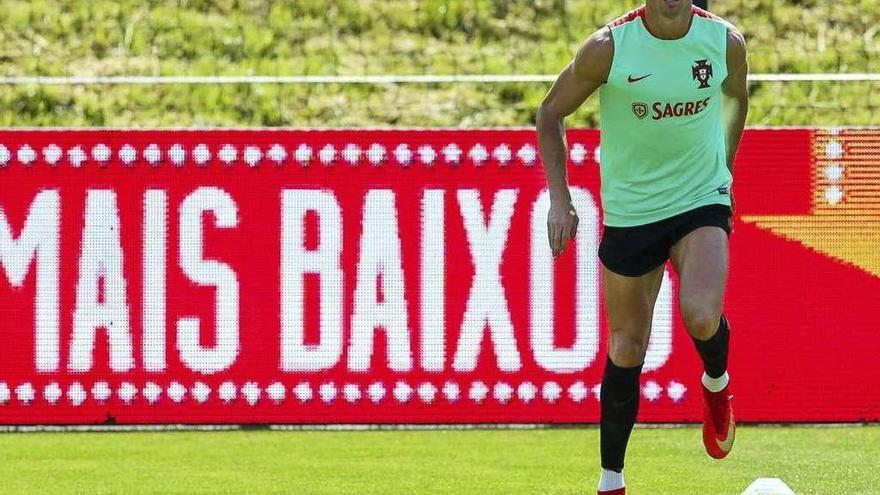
x=487 y=304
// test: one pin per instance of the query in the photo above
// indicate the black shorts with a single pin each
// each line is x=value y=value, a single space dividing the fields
x=635 y=251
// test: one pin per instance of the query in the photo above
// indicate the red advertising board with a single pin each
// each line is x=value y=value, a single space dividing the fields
x=285 y=276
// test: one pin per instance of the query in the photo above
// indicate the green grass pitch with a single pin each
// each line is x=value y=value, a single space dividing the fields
x=819 y=461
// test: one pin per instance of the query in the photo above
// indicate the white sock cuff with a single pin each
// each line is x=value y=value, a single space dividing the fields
x=610 y=480
x=715 y=384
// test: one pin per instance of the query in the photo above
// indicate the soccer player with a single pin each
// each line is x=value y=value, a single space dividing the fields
x=673 y=103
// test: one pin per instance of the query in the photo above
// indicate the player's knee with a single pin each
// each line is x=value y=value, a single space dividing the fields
x=700 y=317
x=628 y=352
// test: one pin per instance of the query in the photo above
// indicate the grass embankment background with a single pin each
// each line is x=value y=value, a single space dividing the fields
x=355 y=37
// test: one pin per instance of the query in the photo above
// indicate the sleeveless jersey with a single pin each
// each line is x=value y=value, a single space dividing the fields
x=663 y=146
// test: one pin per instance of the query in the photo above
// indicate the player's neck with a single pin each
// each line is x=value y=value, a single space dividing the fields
x=666 y=27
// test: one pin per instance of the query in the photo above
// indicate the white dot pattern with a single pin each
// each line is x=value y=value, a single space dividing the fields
x=277 y=154
x=376 y=392
x=25 y=393
x=127 y=392
x=327 y=392
x=351 y=392
x=252 y=155
x=76 y=393
x=227 y=392
x=127 y=154
x=402 y=392
x=4 y=155
x=277 y=392
x=251 y=392
x=351 y=154
x=52 y=154
x=101 y=391
x=153 y=154
x=200 y=392
x=376 y=154
x=101 y=153
x=151 y=392
x=176 y=392
x=52 y=392
x=26 y=155
x=303 y=392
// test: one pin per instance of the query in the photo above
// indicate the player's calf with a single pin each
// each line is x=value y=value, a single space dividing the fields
x=620 y=407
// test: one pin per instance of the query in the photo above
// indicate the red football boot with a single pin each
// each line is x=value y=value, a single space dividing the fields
x=619 y=491
x=719 y=428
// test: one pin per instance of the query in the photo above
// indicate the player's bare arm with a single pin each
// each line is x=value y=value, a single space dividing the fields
x=736 y=94
x=580 y=78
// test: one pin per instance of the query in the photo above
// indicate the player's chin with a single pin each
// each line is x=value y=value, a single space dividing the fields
x=673 y=6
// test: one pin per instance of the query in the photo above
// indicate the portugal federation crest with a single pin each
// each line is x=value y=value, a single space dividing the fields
x=702 y=72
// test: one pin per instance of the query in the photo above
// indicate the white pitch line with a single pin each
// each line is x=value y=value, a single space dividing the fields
x=378 y=79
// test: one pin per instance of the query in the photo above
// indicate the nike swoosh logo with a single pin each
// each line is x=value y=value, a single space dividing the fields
x=727 y=444
x=637 y=79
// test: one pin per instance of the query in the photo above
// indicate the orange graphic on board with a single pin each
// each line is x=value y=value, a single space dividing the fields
x=845 y=217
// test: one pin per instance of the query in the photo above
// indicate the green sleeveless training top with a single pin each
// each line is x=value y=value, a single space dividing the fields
x=663 y=145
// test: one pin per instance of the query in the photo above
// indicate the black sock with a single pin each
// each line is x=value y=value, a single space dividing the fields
x=620 y=406
x=714 y=351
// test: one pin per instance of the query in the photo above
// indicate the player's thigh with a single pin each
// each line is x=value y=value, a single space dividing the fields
x=629 y=304
x=701 y=260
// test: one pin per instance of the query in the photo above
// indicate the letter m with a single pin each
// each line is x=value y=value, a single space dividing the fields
x=39 y=239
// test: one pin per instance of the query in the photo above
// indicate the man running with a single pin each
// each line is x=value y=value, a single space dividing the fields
x=663 y=72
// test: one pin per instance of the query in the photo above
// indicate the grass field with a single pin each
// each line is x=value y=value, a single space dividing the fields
x=369 y=37
x=817 y=461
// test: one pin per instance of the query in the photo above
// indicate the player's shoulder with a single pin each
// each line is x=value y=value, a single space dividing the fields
x=735 y=39
x=736 y=47
x=597 y=46
x=593 y=58
x=600 y=40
